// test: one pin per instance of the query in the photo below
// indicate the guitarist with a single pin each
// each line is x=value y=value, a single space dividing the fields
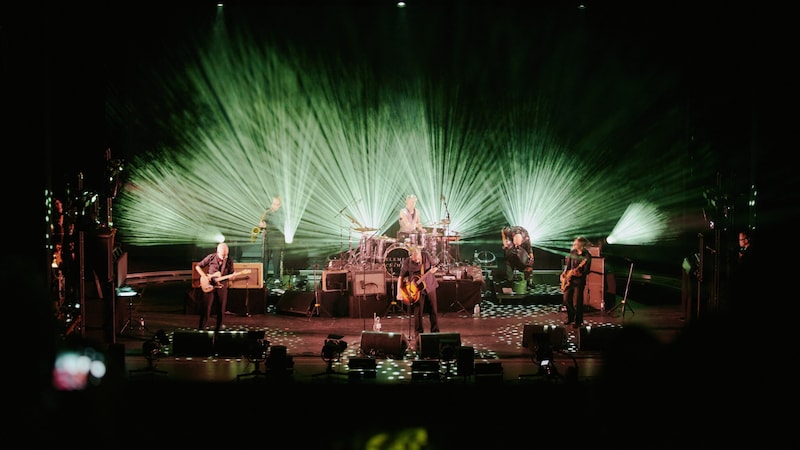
x=573 y=280
x=416 y=285
x=211 y=267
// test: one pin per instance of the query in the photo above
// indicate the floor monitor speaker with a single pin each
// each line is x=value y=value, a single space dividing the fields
x=382 y=344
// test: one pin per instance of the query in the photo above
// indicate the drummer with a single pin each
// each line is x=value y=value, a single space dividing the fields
x=410 y=221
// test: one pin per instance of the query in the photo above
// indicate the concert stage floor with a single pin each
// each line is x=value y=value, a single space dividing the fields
x=490 y=388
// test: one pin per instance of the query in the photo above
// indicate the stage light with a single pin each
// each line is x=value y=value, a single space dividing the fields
x=333 y=349
x=256 y=346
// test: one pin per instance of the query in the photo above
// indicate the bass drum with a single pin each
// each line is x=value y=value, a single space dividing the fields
x=394 y=259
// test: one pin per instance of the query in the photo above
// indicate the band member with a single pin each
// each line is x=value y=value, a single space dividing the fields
x=573 y=280
x=416 y=285
x=410 y=220
x=518 y=253
x=211 y=267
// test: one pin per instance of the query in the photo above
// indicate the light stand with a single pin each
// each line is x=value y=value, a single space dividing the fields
x=624 y=302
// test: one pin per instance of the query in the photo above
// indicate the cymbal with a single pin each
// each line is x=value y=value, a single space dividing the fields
x=365 y=229
x=383 y=238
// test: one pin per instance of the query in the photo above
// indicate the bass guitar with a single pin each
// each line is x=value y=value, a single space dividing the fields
x=566 y=277
x=412 y=288
x=210 y=282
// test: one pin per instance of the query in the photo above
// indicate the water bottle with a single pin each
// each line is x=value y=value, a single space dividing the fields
x=377 y=325
x=476 y=311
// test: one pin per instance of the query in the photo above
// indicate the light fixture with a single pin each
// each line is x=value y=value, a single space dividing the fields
x=152 y=350
x=255 y=352
x=332 y=351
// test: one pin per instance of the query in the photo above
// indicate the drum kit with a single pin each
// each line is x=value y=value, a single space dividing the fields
x=388 y=253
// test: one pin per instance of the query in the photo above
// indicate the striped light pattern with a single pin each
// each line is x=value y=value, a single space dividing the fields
x=342 y=146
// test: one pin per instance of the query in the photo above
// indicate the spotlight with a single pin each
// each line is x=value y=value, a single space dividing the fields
x=256 y=352
x=332 y=351
x=151 y=350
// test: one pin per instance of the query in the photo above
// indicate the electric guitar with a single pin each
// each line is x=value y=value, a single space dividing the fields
x=566 y=277
x=412 y=288
x=207 y=285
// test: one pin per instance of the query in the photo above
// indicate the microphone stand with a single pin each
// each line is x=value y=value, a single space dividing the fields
x=624 y=302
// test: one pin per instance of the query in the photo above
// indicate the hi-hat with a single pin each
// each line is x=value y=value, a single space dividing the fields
x=365 y=229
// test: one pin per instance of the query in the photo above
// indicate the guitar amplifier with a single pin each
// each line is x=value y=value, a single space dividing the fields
x=252 y=280
x=369 y=282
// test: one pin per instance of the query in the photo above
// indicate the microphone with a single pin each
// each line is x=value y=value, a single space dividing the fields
x=441 y=197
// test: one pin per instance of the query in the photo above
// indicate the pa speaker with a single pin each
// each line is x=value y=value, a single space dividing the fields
x=383 y=344
x=433 y=345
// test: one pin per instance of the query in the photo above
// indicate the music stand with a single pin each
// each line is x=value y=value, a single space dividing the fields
x=624 y=302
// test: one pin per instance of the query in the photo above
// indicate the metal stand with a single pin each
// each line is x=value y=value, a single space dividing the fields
x=255 y=373
x=130 y=324
x=456 y=301
x=317 y=303
x=393 y=307
x=624 y=302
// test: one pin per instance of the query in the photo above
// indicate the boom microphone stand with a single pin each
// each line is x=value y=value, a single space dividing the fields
x=624 y=302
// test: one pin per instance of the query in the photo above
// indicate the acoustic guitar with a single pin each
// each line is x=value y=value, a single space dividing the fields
x=211 y=282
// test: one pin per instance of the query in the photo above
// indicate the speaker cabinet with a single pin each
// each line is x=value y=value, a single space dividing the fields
x=254 y=279
x=381 y=344
x=465 y=361
x=191 y=343
x=535 y=335
x=598 y=338
x=432 y=344
x=296 y=302
x=369 y=282
x=595 y=289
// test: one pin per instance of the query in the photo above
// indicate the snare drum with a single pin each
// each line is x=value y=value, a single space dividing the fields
x=394 y=257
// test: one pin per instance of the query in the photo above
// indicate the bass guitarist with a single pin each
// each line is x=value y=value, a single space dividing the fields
x=416 y=286
x=211 y=268
x=573 y=280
